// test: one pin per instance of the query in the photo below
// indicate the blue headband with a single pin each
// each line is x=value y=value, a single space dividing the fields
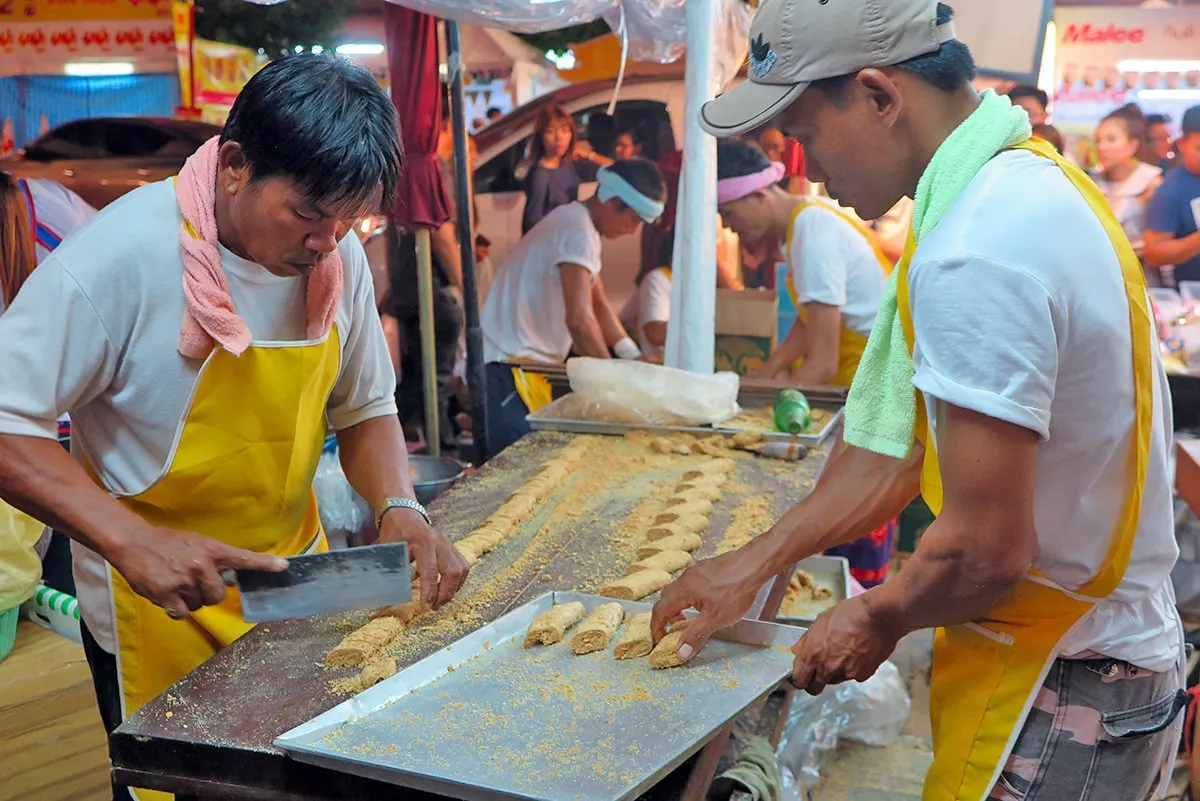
x=613 y=185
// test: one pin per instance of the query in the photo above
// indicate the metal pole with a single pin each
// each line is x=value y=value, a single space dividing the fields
x=476 y=370
x=690 y=340
x=433 y=437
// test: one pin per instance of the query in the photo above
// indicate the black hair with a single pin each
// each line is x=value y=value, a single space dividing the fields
x=1025 y=90
x=493 y=110
x=1157 y=119
x=630 y=132
x=642 y=175
x=949 y=68
x=736 y=158
x=323 y=123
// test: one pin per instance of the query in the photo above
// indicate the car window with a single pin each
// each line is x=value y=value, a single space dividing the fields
x=648 y=119
x=134 y=140
x=499 y=174
x=83 y=139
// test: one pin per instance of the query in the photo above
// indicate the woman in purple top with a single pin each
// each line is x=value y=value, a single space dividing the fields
x=552 y=180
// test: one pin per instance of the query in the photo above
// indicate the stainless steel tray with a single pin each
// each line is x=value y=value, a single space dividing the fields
x=544 y=420
x=829 y=571
x=485 y=718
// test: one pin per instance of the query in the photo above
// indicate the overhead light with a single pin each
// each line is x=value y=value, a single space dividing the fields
x=359 y=49
x=317 y=50
x=1169 y=94
x=1157 y=65
x=89 y=69
x=562 y=61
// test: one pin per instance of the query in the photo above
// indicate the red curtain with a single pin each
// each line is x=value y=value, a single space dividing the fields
x=412 y=52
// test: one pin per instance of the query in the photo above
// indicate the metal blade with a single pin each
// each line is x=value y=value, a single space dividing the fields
x=320 y=583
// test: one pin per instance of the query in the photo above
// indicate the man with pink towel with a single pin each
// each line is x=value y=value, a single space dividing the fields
x=207 y=331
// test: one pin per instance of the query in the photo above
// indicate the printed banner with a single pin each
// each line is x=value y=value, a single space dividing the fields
x=83 y=10
x=221 y=71
x=182 y=20
x=86 y=39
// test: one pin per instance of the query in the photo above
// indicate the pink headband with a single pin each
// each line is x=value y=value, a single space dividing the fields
x=731 y=189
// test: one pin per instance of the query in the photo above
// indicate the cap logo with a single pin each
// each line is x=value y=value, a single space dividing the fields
x=762 y=57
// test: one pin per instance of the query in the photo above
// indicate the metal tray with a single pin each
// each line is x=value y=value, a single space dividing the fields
x=829 y=571
x=485 y=718
x=544 y=420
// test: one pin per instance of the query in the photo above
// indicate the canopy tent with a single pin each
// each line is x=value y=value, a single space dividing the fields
x=715 y=32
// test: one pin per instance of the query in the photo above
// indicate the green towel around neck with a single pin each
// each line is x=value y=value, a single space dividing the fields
x=881 y=410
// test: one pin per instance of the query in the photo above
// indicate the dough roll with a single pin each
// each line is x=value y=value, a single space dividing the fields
x=597 y=630
x=549 y=627
x=637 y=585
x=692 y=524
x=364 y=644
x=636 y=641
x=713 y=467
x=376 y=672
x=669 y=561
x=690 y=492
x=676 y=542
x=699 y=508
x=666 y=653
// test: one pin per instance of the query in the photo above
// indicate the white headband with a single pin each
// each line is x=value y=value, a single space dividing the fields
x=613 y=185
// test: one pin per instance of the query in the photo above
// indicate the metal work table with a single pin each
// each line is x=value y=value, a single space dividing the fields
x=210 y=734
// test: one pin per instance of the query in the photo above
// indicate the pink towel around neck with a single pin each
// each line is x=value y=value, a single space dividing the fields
x=209 y=317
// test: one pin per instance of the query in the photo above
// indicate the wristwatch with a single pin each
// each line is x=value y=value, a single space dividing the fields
x=400 y=503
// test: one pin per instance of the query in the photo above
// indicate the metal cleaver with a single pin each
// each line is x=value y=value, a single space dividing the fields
x=320 y=583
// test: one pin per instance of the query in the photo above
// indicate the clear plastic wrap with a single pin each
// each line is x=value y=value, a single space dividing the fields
x=618 y=391
x=656 y=27
x=342 y=510
x=873 y=712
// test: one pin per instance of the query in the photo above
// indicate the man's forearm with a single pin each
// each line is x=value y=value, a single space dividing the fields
x=610 y=323
x=41 y=479
x=1172 y=251
x=858 y=492
x=788 y=351
x=944 y=584
x=444 y=245
x=588 y=337
x=375 y=460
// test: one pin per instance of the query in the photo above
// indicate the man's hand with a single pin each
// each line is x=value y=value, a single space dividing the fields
x=441 y=567
x=181 y=571
x=722 y=589
x=847 y=641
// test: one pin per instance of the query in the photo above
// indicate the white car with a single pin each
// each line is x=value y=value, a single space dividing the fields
x=650 y=106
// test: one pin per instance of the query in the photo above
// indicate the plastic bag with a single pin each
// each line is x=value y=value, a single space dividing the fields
x=340 y=507
x=639 y=393
x=873 y=712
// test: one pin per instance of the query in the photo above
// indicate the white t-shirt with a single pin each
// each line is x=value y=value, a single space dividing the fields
x=525 y=316
x=1020 y=314
x=1129 y=200
x=95 y=332
x=833 y=263
x=654 y=306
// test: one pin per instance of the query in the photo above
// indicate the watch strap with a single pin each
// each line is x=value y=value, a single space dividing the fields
x=400 y=503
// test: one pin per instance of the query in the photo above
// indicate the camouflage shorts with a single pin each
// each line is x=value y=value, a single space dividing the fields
x=1099 y=730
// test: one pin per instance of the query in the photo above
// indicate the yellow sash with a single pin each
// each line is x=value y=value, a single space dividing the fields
x=986 y=674
x=851 y=344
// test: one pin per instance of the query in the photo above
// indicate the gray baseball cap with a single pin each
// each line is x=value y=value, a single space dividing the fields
x=796 y=42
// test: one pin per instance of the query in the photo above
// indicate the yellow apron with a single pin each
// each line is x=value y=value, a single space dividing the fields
x=20 y=567
x=241 y=473
x=986 y=674
x=533 y=389
x=851 y=344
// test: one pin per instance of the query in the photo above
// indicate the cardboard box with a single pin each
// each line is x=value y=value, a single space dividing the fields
x=746 y=328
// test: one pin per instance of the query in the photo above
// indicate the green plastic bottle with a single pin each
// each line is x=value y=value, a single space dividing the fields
x=792 y=414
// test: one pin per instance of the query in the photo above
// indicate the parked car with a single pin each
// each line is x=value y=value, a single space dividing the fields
x=651 y=106
x=102 y=158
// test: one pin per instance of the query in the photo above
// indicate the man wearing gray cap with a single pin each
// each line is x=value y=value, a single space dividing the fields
x=1012 y=380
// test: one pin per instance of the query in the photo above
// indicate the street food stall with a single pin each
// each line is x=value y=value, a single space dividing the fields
x=452 y=703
